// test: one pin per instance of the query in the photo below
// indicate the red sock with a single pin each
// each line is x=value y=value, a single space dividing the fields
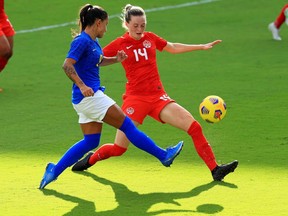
x=3 y=63
x=106 y=151
x=281 y=18
x=203 y=148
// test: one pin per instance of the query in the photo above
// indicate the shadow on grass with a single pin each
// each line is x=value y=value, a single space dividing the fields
x=133 y=203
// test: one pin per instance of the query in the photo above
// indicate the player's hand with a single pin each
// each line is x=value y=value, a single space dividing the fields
x=121 y=56
x=87 y=91
x=210 y=45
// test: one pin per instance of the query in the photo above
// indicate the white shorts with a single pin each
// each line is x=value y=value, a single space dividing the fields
x=93 y=109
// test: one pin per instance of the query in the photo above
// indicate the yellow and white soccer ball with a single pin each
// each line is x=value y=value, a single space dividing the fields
x=212 y=109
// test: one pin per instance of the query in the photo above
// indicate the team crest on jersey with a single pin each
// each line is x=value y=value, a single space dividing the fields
x=147 y=44
x=129 y=110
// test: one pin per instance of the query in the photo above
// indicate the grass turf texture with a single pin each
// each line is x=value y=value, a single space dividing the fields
x=248 y=70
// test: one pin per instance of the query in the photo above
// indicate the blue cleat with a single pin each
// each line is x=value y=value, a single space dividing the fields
x=172 y=153
x=49 y=175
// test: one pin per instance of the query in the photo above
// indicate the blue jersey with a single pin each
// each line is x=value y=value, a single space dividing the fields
x=88 y=54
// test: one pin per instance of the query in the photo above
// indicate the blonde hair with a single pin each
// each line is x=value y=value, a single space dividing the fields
x=128 y=11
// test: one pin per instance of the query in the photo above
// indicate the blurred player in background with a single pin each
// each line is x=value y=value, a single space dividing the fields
x=145 y=94
x=6 y=38
x=91 y=104
x=275 y=26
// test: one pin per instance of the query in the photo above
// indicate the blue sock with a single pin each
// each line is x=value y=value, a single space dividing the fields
x=141 y=140
x=76 y=152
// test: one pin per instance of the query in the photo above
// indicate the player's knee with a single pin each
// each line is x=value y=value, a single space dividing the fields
x=3 y=63
x=9 y=54
x=6 y=53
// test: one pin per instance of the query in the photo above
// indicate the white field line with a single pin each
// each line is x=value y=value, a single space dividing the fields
x=168 y=7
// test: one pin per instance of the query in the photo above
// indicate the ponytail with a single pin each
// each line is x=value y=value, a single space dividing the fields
x=87 y=16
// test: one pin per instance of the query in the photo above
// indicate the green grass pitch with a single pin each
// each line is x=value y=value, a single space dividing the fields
x=248 y=70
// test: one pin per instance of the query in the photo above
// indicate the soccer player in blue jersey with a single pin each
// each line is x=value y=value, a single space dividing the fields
x=91 y=104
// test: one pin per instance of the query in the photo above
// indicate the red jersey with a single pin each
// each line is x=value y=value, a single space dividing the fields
x=140 y=66
x=1 y=6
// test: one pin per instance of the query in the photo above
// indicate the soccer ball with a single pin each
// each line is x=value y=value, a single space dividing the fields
x=212 y=109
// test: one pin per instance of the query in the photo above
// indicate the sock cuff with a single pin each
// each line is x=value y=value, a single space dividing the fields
x=119 y=148
x=127 y=121
x=91 y=136
x=92 y=139
x=195 y=126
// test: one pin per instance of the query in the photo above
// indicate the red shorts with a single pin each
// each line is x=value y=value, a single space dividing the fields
x=6 y=27
x=138 y=107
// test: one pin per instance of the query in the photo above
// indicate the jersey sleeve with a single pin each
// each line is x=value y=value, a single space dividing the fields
x=77 y=48
x=112 y=48
x=159 y=41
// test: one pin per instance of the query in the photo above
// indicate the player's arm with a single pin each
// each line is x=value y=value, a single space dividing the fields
x=69 y=69
x=120 y=56
x=176 y=48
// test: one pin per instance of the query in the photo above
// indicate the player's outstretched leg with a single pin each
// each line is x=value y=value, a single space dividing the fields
x=222 y=170
x=71 y=156
x=171 y=154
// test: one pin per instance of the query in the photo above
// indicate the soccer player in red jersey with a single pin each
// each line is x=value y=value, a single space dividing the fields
x=145 y=94
x=6 y=38
x=274 y=27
